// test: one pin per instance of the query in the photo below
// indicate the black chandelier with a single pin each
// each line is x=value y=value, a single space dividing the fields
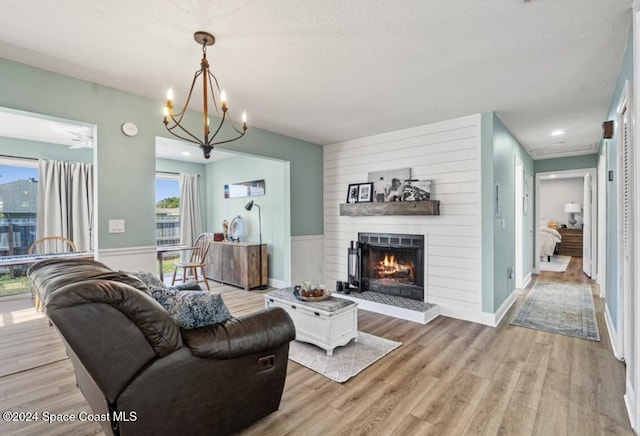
x=173 y=120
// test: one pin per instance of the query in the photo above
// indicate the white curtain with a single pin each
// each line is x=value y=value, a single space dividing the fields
x=190 y=209
x=65 y=201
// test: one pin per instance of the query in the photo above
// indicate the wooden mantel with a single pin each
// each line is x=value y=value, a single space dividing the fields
x=426 y=207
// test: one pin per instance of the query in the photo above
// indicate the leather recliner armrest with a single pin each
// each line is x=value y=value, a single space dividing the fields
x=254 y=333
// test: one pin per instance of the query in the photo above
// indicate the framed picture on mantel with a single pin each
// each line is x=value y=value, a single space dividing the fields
x=352 y=194
x=365 y=192
x=386 y=181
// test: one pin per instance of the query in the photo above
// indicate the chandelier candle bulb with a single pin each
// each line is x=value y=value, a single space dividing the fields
x=168 y=106
x=223 y=100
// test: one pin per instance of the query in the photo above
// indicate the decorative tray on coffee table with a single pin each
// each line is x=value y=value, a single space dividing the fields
x=311 y=295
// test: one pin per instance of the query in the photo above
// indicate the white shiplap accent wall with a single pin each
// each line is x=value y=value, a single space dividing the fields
x=306 y=259
x=447 y=153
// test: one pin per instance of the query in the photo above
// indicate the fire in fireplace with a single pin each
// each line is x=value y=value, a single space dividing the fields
x=388 y=263
x=392 y=270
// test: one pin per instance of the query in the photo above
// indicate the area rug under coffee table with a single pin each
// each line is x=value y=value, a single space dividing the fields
x=562 y=308
x=346 y=361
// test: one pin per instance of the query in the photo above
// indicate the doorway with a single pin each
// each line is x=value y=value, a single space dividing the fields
x=577 y=186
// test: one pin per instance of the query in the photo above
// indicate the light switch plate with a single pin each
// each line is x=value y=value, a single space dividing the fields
x=116 y=226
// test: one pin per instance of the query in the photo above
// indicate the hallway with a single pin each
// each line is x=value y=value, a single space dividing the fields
x=573 y=274
x=597 y=388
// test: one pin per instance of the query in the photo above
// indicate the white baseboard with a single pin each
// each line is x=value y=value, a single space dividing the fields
x=527 y=280
x=493 y=319
x=463 y=314
x=613 y=334
x=279 y=284
x=489 y=319
x=630 y=404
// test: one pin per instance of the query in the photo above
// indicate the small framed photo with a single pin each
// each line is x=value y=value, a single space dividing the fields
x=365 y=192
x=352 y=194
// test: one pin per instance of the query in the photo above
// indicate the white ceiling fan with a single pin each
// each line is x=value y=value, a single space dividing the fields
x=80 y=141
x=16 y=124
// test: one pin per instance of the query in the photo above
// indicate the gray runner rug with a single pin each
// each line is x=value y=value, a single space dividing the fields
x=561 y=308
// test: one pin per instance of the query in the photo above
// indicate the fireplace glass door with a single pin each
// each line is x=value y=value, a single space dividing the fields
x=393 y=264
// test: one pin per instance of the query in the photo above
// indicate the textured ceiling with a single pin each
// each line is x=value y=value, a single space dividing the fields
x=328 y=71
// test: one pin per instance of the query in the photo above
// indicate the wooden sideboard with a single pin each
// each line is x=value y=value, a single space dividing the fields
x=237 y=264
x=571 y=244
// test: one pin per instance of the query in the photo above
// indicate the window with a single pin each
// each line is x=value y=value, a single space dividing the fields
x=167 y=209
x=18 y=207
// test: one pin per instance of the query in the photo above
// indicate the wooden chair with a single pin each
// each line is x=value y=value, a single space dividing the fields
x=51 y=245
x=197 y=260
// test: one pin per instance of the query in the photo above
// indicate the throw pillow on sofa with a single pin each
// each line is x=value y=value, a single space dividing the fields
x=152 y=281
x=192 y=309
x=149 y=279
x=189 y=286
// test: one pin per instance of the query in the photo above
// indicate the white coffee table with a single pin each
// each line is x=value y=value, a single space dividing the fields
x=328 y=324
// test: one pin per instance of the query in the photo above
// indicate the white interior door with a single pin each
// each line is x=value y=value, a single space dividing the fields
x=586 y=230
x=626 y=287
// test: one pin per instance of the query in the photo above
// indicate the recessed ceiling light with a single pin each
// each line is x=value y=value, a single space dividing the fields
x=185 y=153
x=552 y=176
x=557 y=133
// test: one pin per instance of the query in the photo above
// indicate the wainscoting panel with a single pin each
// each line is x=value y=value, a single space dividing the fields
x=130 y=259
x=448 y=153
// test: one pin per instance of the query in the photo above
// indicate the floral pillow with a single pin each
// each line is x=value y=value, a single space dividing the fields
x=192 y=309
x=149 y=279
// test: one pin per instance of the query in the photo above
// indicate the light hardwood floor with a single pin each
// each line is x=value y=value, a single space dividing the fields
x=449 y=377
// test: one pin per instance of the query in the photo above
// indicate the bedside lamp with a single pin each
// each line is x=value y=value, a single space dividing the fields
x=572 y=209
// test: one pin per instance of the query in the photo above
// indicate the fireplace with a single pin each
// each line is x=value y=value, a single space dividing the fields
x=387 y=263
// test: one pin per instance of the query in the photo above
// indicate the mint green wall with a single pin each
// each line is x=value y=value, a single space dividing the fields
x=276 y=228
x=498 y=167
x=306 y=173
x=126 y=166
x=610 y=151
x=487 y=195
x=41 y=150
x=566 y=163
x=274 y=205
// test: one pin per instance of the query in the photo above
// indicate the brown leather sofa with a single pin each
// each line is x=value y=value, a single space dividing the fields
x=142 y=374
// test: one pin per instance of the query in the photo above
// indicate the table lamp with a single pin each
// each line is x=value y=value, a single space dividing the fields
x=572 y=209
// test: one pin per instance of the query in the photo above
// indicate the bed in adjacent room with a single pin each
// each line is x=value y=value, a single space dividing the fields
x=549 y=238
